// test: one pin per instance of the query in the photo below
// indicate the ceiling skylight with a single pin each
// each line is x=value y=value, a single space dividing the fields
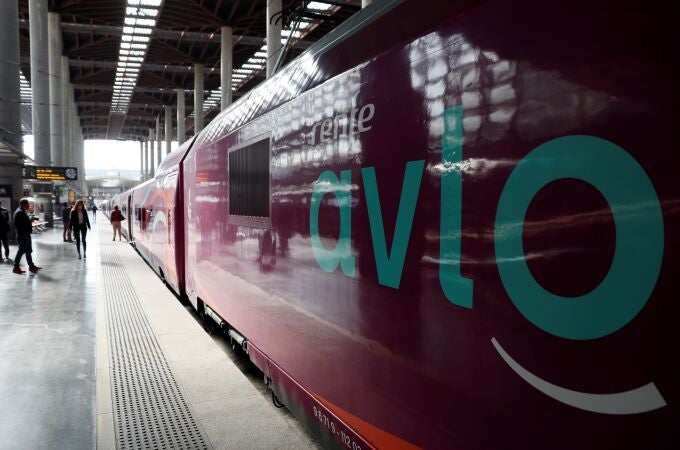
x=213 y=100
x=258 y=61
x=140 y=18
x=25 y=90
x=318 y=6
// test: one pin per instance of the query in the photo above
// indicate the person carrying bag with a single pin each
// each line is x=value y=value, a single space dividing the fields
x=116 y=219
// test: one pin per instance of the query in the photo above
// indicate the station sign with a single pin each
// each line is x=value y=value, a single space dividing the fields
x=48 y=173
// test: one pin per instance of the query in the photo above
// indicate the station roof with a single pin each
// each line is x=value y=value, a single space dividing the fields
x=185 y=32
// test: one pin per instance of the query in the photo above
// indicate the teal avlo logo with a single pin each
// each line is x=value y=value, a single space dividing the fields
x=607 y=308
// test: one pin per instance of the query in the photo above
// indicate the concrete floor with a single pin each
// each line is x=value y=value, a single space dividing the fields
x=47 y=348
x=55 y=378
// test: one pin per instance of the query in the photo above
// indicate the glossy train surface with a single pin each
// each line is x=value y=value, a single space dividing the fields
x=445 y=226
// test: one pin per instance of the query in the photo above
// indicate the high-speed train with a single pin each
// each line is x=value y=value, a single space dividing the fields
x=447 y=224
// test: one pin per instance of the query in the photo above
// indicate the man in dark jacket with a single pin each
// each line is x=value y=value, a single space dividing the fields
x=23 y=225
x=4 y=230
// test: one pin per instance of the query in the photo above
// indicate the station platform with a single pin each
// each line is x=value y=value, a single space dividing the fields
x=98 y=353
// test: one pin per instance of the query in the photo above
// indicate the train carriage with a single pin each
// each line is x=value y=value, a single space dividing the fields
x=458 y=235
x=158 y=219
x=124 y=202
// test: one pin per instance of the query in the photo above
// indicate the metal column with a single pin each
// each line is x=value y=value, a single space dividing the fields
x=56 y=127
x=141 y=160
x=145 y=172
x=158 y=141
x=181 y=135
x=66 y=112
x=168 y=129
x=152 y=138
x=74 y=131
x=74 y=138
x=40 y=85
x=81 y=151
x=80 y=147
x=198 y=98
x=273 y=35
x=10 y=106
x=72 y=121
x=147 y=155
x=226 y=65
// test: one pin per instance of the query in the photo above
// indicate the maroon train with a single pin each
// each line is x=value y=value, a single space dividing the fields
x=445 y=225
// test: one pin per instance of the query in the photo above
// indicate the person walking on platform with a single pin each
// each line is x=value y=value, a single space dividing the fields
x=24 y=227
x=4 y=230
x=94 y=213
x=80 y=223
x=116 y=219
x=65 y=220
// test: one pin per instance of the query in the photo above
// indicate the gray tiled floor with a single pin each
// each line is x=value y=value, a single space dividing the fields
x=53 y=324
x=47 y=348
x=231 y=404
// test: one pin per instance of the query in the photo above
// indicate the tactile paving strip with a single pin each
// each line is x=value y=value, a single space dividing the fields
x=150 y=411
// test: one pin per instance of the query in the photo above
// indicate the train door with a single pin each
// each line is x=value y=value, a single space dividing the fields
x=129 y=219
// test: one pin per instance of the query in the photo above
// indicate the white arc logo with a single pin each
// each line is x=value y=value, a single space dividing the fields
x=642 y=399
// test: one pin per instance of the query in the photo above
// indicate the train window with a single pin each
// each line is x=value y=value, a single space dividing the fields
x=146 y=218
x=139 y=218
x=249 y=183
